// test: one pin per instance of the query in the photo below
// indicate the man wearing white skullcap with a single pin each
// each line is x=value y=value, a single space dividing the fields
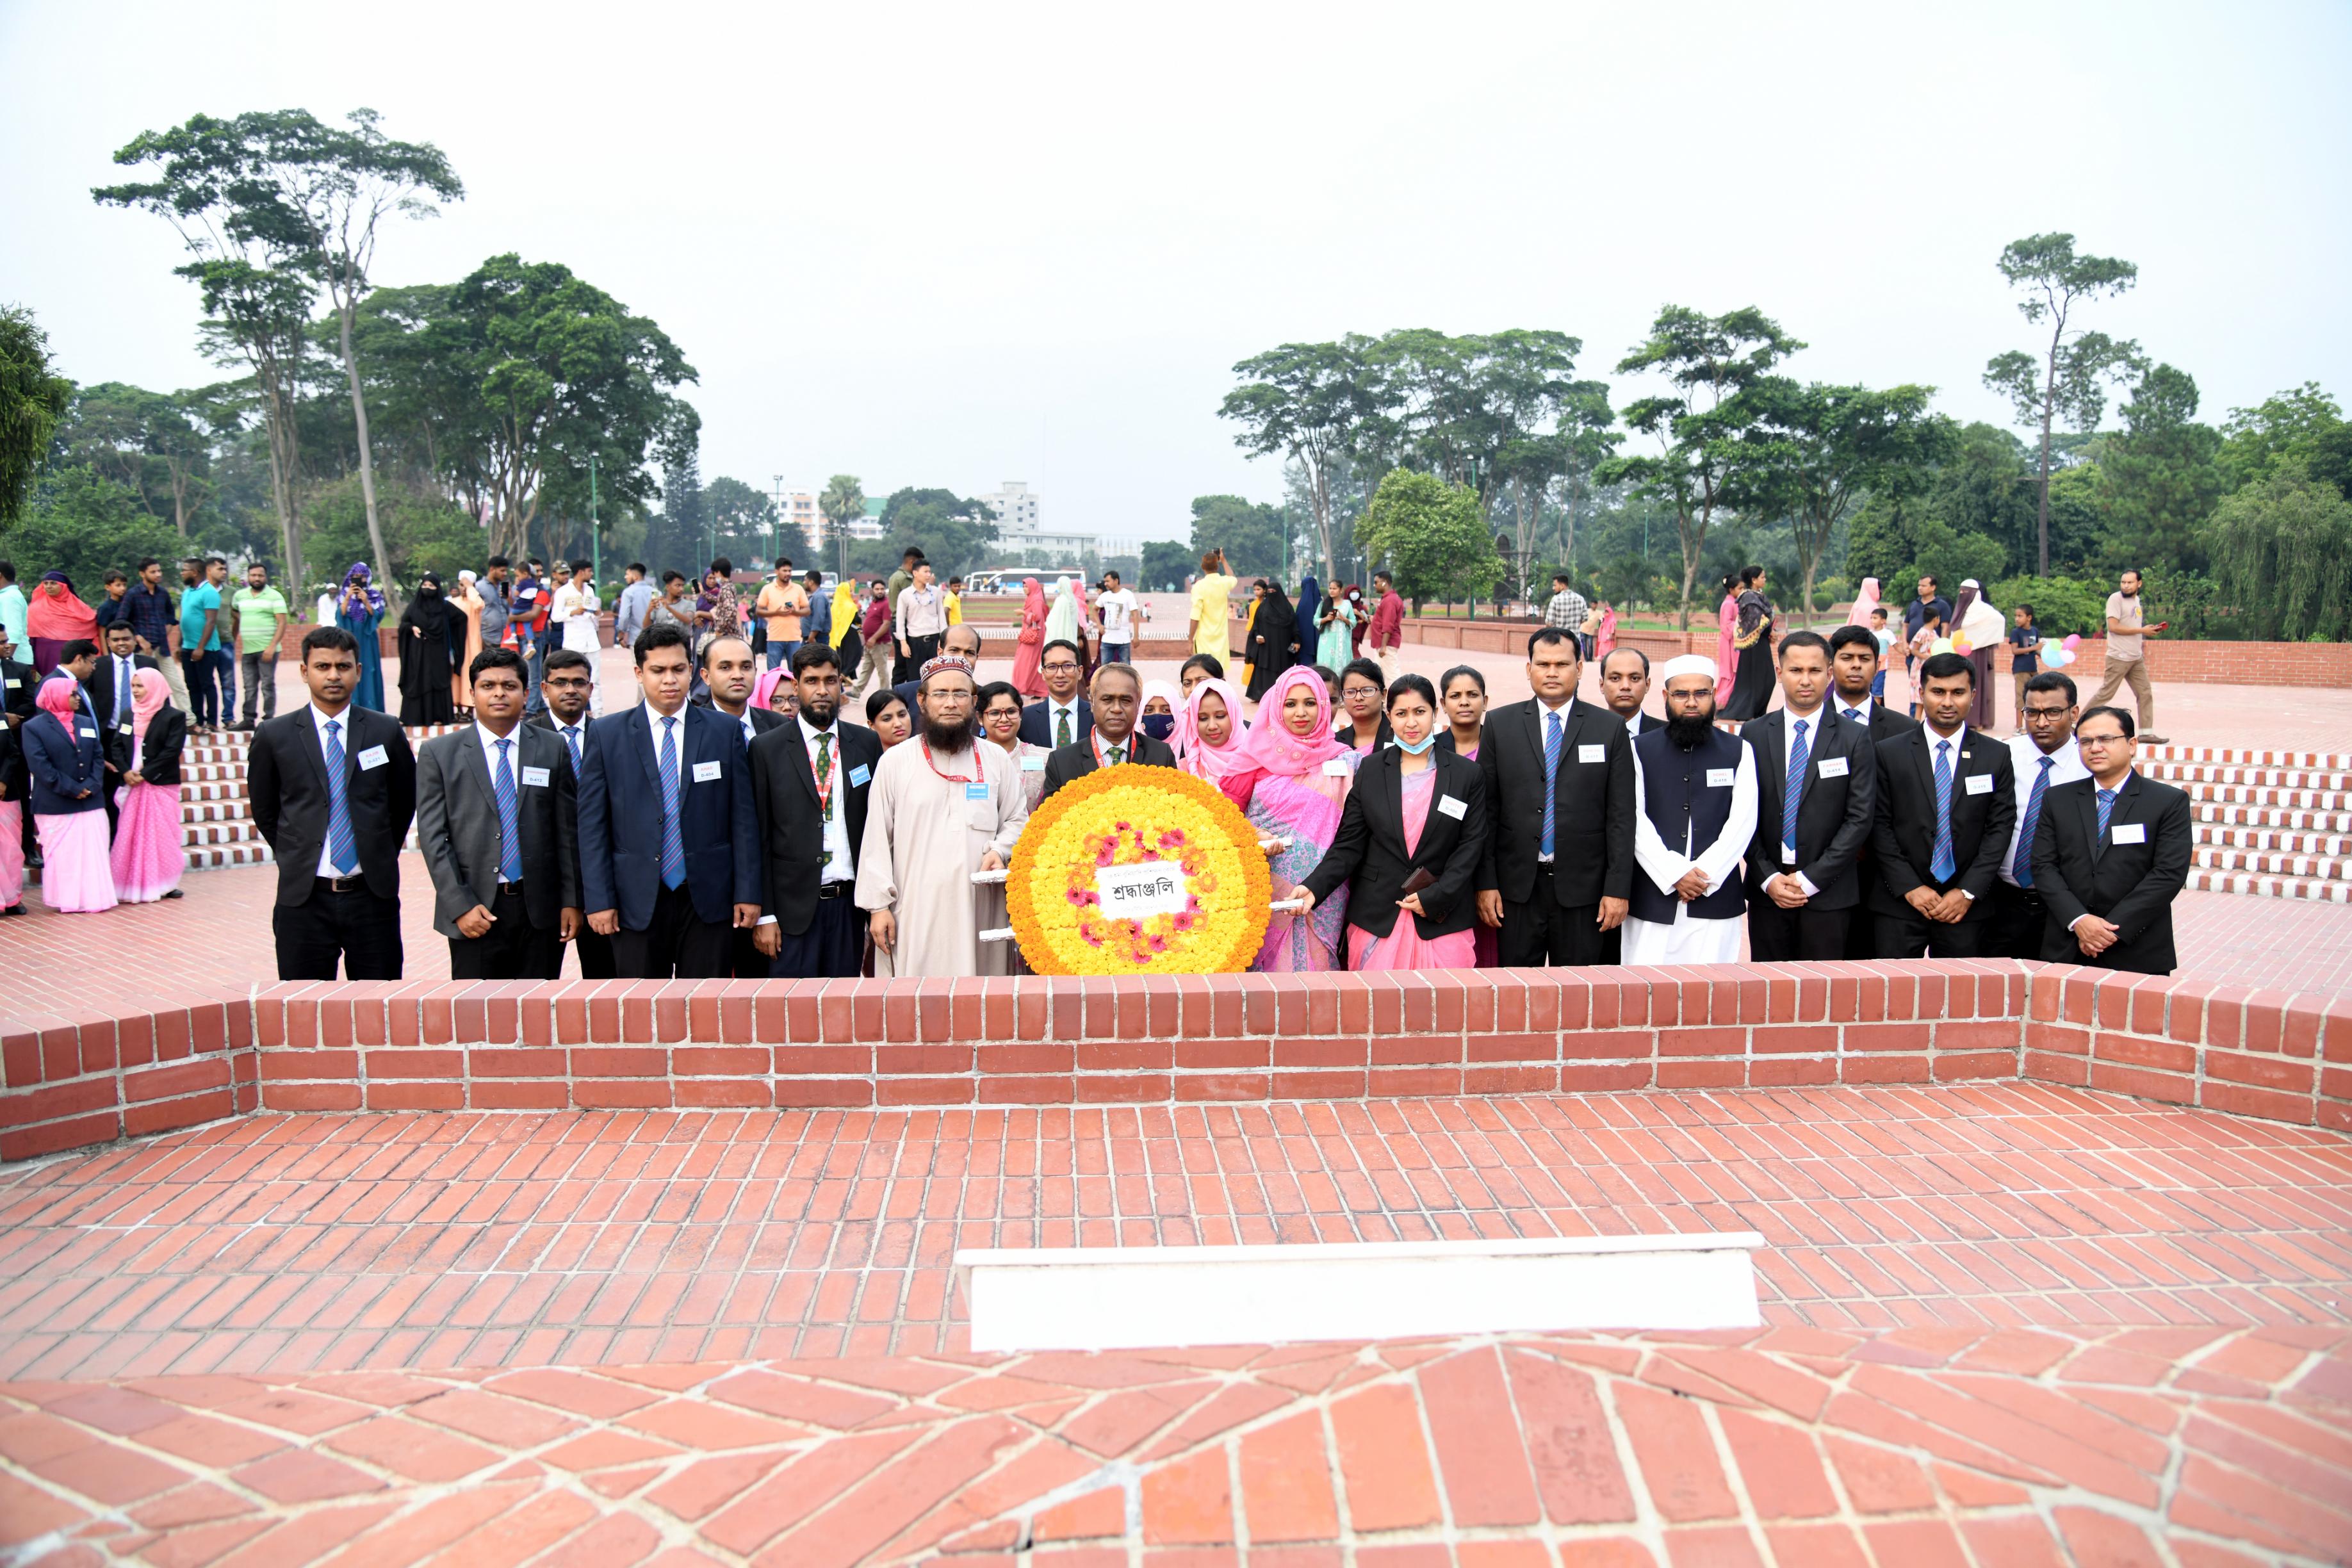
x=1695 y=816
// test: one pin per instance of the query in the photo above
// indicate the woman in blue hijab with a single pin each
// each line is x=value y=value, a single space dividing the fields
x=359 y=611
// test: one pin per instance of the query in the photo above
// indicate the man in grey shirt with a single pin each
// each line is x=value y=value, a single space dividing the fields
x=493 y=591
x=629 y=614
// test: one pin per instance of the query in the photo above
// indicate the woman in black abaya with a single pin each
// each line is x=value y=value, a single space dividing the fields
x=1273 y=639
x=425 y=664
x=1751 y=691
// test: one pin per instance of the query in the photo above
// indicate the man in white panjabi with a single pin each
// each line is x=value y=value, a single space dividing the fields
x=945 y=802
x=1693 y=817
x=575 y=610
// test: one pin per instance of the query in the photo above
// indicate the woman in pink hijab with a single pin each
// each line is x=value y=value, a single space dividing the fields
x=1029 y=650
x=1211 y=735
x=67 y=762
x=147 y=858
x=1292 y=788
x=1863 y=603
x=1605 y=639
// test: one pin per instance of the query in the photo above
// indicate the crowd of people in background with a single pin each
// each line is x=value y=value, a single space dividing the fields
x=733 y=820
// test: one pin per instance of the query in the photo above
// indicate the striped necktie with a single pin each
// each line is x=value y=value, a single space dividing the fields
x=1552 y=780
x=343 y=847
x=1800 y=751
x=1943 y=865
x=2024 y=869
x=2107 y=809
x=509 y=817
x=673 y=851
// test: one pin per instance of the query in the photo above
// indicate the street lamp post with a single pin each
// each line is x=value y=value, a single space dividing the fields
x=595 y=533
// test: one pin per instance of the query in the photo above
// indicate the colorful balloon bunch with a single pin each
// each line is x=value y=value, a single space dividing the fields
x=2056 y=655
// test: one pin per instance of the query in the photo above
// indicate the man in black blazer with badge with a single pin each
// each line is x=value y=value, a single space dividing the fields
x=669 y=846
x=110 y=683
x=496 y=818
x=1801 y=876
x=1624 y=684
x=810 y=777
x=1946 y=806
x=1116 y=705
x=1556 y=883
x=2112 y=852
x=332 y=789
x=566 y=689
x=1065 y=718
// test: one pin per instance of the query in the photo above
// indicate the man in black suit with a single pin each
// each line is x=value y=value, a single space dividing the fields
x=1853 y=663
x=1559 y=868
x=1065 y=718
x=669 y=850
x=1117 y=703
x=2112 y=853
x=566 y=692
x=332 y=789
x=2040 y=760
x=730 y=668
x=109 y=684
x=1625 y=686
x=495 y=817
x=810 y=778
x=960 y=639
x=1816 y=804
x=1945 y=804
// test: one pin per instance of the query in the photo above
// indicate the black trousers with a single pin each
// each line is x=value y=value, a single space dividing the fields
x=353 y=926
x=1912 y=935
x=513 y=949
x=1544 y=931
x=2020 y=920
x=676 y=944
x=833 y=948
x=595 y=955
x=921 y=651
x=1809 y=935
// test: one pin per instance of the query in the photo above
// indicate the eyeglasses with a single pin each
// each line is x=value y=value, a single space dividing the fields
x=2087 y=741
x=2047 y=713
x=1063 y=667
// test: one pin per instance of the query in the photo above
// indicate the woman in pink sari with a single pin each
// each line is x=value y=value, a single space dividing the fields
x=1605 y=640
x=1211 y=735
x=1292 y=788
x=148 y=857
x=1029 y=650
x=1726 y=651
x=1408 y=872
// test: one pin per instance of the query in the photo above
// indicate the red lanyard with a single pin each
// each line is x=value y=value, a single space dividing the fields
x=978 y=774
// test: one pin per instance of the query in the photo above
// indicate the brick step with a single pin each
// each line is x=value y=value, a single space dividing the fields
x=2319 y=868
x=2275 y=839
x=2201 y=880
x=216 y=789
x=240 y=831
x=2262 y=795
x=2185 y=773
x=2331 y=761
x=2300 y=821
x=234 y=810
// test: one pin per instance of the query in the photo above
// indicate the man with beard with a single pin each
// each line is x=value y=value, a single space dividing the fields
x=565 y=687
x=811 y=776
x=1694 y=818
x=943 y=806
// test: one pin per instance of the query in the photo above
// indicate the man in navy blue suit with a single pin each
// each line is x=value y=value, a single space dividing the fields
x=670 y=844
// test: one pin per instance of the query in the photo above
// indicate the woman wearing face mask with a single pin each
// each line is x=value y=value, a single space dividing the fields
x=1367 y=729
x=1292 y=788
x=1408 y=844
x=1000 y=721
x=1161 y=702
x=425 y=656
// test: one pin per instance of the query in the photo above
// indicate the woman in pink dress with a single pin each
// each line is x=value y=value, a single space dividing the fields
x=1408 y=846
x=1292 y=788
x=1461 y=693
x=1211 y=734
x=148 y=857
x=1605 y=639
x=1727 y=650
x=67 y=762
x=1029 y=650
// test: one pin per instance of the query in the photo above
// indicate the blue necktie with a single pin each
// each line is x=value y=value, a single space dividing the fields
x=572 y=739
x=343 y=848
x=2025 y=869
x=1858 y=717
x=673 y=843
x=2106 y=809
x=1940 y=868
x=1551 y=778
x=121 y=689
x=510 y=819
x=1800 y=751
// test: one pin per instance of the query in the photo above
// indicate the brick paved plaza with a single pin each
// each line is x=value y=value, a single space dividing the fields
x=2012 y=1315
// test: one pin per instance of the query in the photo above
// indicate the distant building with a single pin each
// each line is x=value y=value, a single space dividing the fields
x=801 y=513
x=1021 y=534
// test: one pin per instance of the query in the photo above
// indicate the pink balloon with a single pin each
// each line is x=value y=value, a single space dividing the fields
x=2072 y=639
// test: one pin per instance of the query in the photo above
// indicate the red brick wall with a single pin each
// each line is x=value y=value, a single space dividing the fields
x=597 y=1045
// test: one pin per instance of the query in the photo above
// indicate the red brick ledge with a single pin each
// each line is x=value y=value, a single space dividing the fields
x=589 y=1045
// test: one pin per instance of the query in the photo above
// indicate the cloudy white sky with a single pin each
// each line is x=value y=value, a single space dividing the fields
x=958 y=244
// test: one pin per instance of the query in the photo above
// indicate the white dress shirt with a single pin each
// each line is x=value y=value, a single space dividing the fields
x=1813 y=722
x=122 y=690
x=839 y=864
x=2025 y=758
x=1852 y=713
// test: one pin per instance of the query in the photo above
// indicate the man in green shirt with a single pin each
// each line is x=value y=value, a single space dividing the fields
x=257 y=617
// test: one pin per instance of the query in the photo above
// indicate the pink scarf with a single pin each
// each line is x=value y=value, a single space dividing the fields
x=1272 y=747
x=148 y=692
x=1200 y=759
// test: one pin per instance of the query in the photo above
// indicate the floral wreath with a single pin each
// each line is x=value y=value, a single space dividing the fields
x=1198 y=875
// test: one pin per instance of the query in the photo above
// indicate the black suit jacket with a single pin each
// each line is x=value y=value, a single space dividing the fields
x=621 y=817
x=102 y=684
x=1076 y=761
x=1037 y=722
x=457 y=825
x=1348 y=737
x=286 y=780
x=1903 y=842
x=1835 y=816
x=2078 y=872
x=1368 y=854
x=762 y=719
x=1886 y=724
x=17 y=683
x=1592 y=821
x=792 y=825
x=162 y=749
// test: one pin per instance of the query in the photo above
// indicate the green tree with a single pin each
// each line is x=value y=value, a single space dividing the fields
x=81 y=523
x=679 y=542
x=1431 y=536
x=2279 y=548
x=1833 y=445
x=2160 y=477
x=1316 y=404
x=954 y=533
x=1166 y=564
x=2304 y=423
x=841 y=504
x=740 y=517
x=1249 y=532
x=1716 y=361
x=422 y=532
x=33 y=399
x=149 y=441
x=2068 y=380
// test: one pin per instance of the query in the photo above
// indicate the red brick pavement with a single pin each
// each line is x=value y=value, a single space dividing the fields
x=1788 y=1446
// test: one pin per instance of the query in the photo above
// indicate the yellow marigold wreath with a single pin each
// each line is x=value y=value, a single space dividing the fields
x=1168 y=838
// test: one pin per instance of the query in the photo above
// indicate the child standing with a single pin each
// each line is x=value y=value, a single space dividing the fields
x=1923 y=643
x=1885 y=645
x=2024 y=657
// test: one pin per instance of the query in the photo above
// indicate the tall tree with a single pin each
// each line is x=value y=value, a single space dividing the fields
x=842 y=504
x=147 y=440
x=1715 y=360
x=2068 y=380
x=952 y=532
x=1431 y=536
x=2160 y=477
x=32 y=398
x=1314 y=403
x=1250 y=533
x=2279 y=546
x=1831 y=444
x=738 y=512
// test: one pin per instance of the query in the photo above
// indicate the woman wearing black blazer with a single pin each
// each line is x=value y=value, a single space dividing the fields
x=67 y=759
x=1410 y=840
x=148 y=853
